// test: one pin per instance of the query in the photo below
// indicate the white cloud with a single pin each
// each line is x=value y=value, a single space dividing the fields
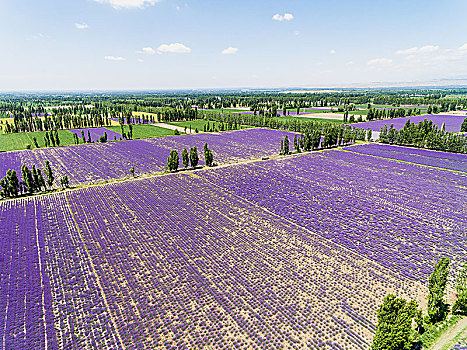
x=81 y=26
x=332 y=52
x=416 y=49
x=178 y=8
x=114 y=58
x=407 y=51
x=147 y=51
x=119 y=4
x=428 y=48
x=380 y=62
x=350 y=63
x=140 y=60
x=230 y=51
x=296 y=33
x=284 y=17
x=463 y=47
x=173 y=48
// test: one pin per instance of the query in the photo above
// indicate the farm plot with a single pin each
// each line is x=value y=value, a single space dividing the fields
x=452 y=122
x=96 y=133
x=403 y=216
x=451 y=161
x=174 y=261
x=90 y=163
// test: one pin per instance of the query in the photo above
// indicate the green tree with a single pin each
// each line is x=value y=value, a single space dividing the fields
x=286 y=145
x=64 y=181
x=208 y=156
x=437 y=308
x=132 y=171
x=173 y=161
x=194 y=158
x=460 y=305
x=41 y=180
x=57 y=138
x=464 y=125
x=49 y=174
x=13 y=182
x=394 y=328
x=185 y=158
x=27 y=178
x=35 y=177
x=369 y=134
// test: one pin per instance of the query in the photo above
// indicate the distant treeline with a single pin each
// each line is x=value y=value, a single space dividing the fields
x=424 y=135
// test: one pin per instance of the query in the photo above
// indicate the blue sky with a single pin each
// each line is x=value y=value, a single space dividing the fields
x=171 y=44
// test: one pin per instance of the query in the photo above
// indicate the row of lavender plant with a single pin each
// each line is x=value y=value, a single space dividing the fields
x=402 y=216
x=452 y=122
x=209 y=269
x=91 y=163
x=451 y=161
x=175 y=261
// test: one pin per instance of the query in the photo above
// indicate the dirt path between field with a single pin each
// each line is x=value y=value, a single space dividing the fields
x=451 y=336
x=174 y=127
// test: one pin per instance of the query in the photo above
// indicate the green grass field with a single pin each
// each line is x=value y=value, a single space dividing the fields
x=144 y=131
x=18 y=141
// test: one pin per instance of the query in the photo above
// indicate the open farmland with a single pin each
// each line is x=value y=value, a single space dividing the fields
x=90 y=163
x=294 y=252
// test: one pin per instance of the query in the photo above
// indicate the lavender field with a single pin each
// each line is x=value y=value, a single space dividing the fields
x=96 y=162
x=293 y=252
x=95 y=133
x=445 y=160
x=376 y=207
x=452 y=122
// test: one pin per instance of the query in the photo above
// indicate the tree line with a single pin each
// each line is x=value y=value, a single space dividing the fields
x=173 y=161
x=424 y=135
x=401 y=324
x=33 y=181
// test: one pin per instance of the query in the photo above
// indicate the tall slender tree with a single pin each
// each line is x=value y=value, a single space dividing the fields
x=194 y=158
x=49 y=174
x=437 y=308
x=185 y=158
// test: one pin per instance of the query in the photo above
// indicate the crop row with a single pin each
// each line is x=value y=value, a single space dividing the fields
x=403 y=216
x=451 y=161
x=174 y=261
x=452 y=122
x=90 y=163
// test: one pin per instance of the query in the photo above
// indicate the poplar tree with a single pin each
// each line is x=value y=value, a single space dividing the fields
x=286 y=145
x=27 y=178
x=185 y=158
x=57 y=139
x=48 y=173
x=460 y=306
x=394 y=328
x=194 y=158
x=173 y=160
x=208 y=157
x=437 y=308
